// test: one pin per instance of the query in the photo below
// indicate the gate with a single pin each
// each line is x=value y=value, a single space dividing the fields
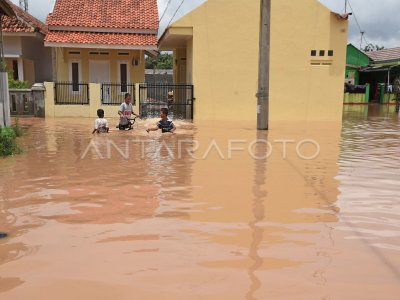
x=178 y=98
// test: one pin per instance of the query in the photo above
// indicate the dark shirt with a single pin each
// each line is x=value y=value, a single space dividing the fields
x=165 y=126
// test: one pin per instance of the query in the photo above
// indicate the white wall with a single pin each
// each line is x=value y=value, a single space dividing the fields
x=33 y=49
x=12 y=45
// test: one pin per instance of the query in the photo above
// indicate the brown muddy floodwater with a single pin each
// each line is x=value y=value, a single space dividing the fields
x=203 y=213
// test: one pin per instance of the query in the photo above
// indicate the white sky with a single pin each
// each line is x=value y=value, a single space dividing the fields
x=378 y=18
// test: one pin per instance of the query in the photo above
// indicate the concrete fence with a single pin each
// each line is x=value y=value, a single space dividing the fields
x=82 y=110
x=28 y=102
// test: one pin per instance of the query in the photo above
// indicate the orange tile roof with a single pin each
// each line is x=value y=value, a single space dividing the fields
x=23 y=22
x=73 y=37
x=116 y=14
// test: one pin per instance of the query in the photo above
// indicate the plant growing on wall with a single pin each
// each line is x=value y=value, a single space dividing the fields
x=3 y=65
x=17 y=84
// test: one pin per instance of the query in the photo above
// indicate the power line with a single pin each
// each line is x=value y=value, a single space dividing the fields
x=165 y=10
x=362 y=32
x=175 y=13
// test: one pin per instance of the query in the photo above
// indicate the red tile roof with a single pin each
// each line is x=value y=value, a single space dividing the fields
x=120 y=14
x=23 y=22
x=389 y=54
x=73 y=37
x=5 y=8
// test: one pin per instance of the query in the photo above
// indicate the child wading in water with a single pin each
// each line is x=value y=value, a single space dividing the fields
x=125 y=111
x=100 y=124
x=164 y=124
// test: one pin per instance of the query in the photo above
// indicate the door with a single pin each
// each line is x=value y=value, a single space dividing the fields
x=99 y=72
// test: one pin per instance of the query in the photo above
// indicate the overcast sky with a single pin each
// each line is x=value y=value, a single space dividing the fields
x=379 y=19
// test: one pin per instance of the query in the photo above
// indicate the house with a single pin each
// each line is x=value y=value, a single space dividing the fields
x=376 y=70
x=24 y=51
x=355 y=60
x=216 y=49
x=102 y=42
x=381 y=74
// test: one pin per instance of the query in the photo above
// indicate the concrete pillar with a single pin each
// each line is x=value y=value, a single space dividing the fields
x=5 y=119
x=38 y=91
x=49 y=99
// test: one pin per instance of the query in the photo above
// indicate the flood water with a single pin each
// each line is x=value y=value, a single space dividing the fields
x=204 y=213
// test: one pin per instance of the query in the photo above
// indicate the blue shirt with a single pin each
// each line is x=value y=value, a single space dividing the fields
x=166 y=125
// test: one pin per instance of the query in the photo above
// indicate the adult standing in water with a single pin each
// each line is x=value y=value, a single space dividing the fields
x=125 y=112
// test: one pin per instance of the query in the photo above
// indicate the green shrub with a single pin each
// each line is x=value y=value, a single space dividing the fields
x=19 y=131
x=8 y=144
x=17 y=84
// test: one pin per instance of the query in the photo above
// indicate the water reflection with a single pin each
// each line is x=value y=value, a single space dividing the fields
x=260 y=194
x=146 y=217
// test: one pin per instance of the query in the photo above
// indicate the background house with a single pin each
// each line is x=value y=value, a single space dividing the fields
x=216 y=48
x=24 y=50
x=383 y=70
x=355 y=60
x=376 y=70
x=99 y=42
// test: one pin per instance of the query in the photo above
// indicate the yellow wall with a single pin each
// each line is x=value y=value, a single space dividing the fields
x=63 y=57
x=224 y=53
x=85 y=111
x=300 y=90
x=223 y=58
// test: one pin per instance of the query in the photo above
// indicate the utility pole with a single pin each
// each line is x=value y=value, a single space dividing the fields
x=345 y=6
x=23 y=4
x=362 y=35
x=263 y=69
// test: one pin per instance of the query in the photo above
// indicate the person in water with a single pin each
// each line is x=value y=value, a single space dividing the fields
x=164 y=124
x=125 y=111
x=100 y=124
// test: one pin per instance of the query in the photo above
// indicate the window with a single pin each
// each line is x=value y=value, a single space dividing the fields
x=330 y=53
x=75 y=74
x=15 y=69
x=74 y=52
x=124 y=77
x=313 y=52
x=123 y=53
x=321 y=52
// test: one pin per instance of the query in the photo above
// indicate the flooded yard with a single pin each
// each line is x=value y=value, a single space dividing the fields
x=215 y=211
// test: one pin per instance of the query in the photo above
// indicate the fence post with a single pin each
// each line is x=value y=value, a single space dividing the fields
x=95 y=98
x=38 y=91
x=137 y=97
x=193 y=102
x=49 y=100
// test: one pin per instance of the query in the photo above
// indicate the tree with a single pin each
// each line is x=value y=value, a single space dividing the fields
x=372 y=47
x=164 y=61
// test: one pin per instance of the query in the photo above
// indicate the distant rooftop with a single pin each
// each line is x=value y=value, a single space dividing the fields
x=122 y=24
x=121 y=14
x=385 y=55
x=23 y=22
